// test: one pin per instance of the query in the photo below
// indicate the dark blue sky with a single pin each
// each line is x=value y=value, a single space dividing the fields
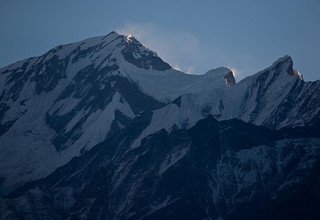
x=194 y=36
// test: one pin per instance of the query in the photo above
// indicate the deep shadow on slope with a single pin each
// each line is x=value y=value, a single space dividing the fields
x=173 y=175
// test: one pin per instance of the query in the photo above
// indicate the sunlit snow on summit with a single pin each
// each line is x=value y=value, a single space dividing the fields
x=129 y=37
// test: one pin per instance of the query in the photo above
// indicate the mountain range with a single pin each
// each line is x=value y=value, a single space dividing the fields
x=105 y=129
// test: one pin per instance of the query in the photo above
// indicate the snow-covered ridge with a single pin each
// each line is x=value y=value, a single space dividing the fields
x=275 y=97
x=56 y=105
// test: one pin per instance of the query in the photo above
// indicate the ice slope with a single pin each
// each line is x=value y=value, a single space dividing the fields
x=167 y=85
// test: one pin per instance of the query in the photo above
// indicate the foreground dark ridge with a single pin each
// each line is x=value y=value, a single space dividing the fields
x=227 y=169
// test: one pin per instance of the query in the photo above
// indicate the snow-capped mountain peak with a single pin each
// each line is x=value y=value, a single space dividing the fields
x=71 y=98
x=285 y=65
x=125 y=134
x=135 y=53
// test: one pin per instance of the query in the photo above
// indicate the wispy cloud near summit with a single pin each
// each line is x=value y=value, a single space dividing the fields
x=180 y=49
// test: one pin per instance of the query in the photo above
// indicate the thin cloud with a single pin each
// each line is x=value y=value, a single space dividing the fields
x=180 y=49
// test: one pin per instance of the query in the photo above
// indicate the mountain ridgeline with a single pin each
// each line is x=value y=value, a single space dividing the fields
x=105 y=129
